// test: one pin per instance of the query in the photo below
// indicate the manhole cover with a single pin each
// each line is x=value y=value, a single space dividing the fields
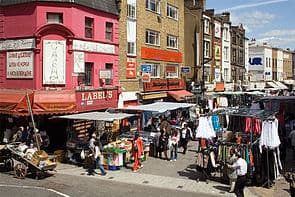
x=145 y=182
x=179 y=186
x=111 y=177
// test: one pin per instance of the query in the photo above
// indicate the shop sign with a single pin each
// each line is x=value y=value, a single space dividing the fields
x=217 y=75
x=131 y=68
x=146 y=77
x=170 y=69
x=93 y=47
x=256 y=63
x=164 y=85
x=54 y=62
x=185 y=69
x=96 y=99
x=79 y=62
x=162 y=55
x=105 y=74
x=146 y=68
x=20 y=65
x=217 y=30
x=217 y=52
x=19 y=44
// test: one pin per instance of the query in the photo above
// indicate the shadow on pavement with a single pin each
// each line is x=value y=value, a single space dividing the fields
x=222 y=188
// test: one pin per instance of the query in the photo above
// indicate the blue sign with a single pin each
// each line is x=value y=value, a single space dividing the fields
x=185 y=69
x=255 y=61
x=146 y=68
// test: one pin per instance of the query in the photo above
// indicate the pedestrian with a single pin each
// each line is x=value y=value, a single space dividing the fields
x=174 y=144
x=156 y=141
x=290 y=178
x=164 y=138
x=91 y=157
x=18 y=135
x=137 y=148
x=97 y=156
x=185 y=136
x=241 y=167
x=232 y=172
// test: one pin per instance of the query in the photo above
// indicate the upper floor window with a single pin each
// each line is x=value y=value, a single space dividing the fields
x=109 y=79
x=88 y=75
x=207 y=48
x=109 y=31
x=131 y=11
x=172 y=42
x=153 y=5
x=226 y=53
x=206 y=26
x=225 y=33
x=88 y=27
x=172 y=12
x=54 y=18
x=152 y=37
x=131 y=48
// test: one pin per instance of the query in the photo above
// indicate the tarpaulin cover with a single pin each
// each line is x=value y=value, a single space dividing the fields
x=54 y=102
x=160 y=107
x=180 y=95
x=14 y=101
x=102 y=116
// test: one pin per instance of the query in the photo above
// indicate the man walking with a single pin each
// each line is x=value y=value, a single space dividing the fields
x=185 y=136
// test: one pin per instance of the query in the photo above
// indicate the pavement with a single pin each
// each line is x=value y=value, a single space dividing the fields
x=180 y=175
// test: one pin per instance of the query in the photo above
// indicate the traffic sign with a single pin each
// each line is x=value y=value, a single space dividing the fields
x=146 y=68
x=185 y=69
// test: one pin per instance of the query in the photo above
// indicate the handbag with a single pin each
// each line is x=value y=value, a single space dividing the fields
x=82 y=154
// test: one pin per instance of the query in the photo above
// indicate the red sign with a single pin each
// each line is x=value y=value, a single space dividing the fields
x=163 y=55
x=164 y=85
x=131 y=68
x=171 y=69
x=96 y=99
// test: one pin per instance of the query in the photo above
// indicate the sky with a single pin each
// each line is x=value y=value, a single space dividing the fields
x=268 y=21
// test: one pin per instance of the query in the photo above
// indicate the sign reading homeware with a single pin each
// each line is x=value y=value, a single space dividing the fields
x=93 y=47
x=20 y=65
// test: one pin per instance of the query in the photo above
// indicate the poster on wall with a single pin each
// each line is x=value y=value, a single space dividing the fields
x=217 y=75
x=217 y=52
x=217 y=30
x=79 y=62
x=54 y=62
x=20 y=65
x=131 y=68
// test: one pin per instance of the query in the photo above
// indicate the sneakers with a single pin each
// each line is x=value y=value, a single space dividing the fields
x=103 y=174
x=174 y=159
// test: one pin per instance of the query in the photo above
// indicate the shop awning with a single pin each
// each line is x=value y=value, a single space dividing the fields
x=160 y=107
x=54 y=102
x=15 y=101
x=102 y=116
x=180 y=95
x=281 y=85
x=272 y=85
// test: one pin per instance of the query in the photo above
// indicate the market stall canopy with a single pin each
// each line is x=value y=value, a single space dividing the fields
x=102 y=116
x=281 y=85
x=14 y=101
x=54 y=102
x=160 y=107
x=180 y=95
x=279 y=98
x=272 y=85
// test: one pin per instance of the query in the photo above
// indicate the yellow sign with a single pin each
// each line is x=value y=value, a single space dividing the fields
x=217 y=52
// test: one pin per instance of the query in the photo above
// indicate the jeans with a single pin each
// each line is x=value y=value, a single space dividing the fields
x=173 y=152
x=99 y=166
x=239 y=187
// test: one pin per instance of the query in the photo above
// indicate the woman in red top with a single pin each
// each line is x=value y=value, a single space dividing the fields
x=137 y=152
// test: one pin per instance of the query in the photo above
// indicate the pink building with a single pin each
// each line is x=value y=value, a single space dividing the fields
x=65 y=53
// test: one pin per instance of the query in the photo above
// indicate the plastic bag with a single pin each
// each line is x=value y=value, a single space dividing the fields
x=82 y=154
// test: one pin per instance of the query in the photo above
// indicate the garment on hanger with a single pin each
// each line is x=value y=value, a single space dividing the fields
x=205 y=129
x=216 y=123
x=269 y=135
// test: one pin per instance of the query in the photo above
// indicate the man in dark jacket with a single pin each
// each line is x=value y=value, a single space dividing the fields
x=185 y=135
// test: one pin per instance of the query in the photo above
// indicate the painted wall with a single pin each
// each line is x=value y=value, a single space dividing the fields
x=23 y=21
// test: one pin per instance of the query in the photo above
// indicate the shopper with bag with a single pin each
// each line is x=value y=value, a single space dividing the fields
x=174 y=143
x=137 y=149
x=97 y=157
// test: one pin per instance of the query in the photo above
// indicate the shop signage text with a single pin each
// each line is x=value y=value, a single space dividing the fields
x=93 y=47
x=20 y=65
x=17 y=44
x=164 y=84
x=131 y=68
x=162 y=55
x=185 y=69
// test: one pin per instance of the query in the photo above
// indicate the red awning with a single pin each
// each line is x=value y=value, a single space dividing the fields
x=54 y=102
x=15 y=101
x=179 y=95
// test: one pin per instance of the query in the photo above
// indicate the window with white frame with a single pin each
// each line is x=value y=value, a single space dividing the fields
x=109 y=31
x=172 y=42
x=152 y=37
x=226 y=53
x=131 y=48
x=225 y=33
x=226 y=74
x=172 y=12
x=131 y=11
x=155 y=70
x=153 y=5
x=206 y=26
x=54 y=18
x=207 y=48
x=172 y=71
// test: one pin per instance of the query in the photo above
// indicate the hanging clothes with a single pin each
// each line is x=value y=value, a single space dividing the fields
x=269 y=135
x=205 y=129
x=216 y=123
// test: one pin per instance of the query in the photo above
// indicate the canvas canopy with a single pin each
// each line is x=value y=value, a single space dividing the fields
x=101 y=116
x=160 y=107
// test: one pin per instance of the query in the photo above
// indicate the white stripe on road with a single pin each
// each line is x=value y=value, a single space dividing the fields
x=35 y=187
